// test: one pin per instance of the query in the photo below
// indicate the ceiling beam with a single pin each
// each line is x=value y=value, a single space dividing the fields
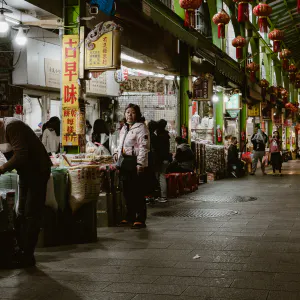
x=54 y=7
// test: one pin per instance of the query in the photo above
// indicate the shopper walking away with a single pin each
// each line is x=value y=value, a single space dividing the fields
x=100 y=133
x=132 y=160
x=163 y=158
x=184 y=158
x=259 y=141
x=275 y=149
x=51 y=135
x=33 y=165
x=150 y=171
x=235 y=165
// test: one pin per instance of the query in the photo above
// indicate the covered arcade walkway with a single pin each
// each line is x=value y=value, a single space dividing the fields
x=245 y=233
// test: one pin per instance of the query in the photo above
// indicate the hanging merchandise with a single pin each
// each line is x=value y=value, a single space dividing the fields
x=19 y=109
x=273 y=94
x=219 y=134
x=253 y=68
x=284 y=55
x=292 y=73
x=184 y=132
x=243 y=10
x=239 y=43
x=262 y=11
x=190 y=6
x=221 y=19
x=276 y=36
x=264 y=84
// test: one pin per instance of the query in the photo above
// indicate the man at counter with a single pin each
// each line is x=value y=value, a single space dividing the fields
x=30 y=159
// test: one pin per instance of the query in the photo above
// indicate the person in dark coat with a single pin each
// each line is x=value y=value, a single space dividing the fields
x=235 y=165
x=184 y=159
x=162 y=157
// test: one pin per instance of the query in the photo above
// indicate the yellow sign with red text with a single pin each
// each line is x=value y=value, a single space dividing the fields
x=70 y=99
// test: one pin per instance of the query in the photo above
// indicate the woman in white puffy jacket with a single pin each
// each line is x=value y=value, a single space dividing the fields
x=134 y=141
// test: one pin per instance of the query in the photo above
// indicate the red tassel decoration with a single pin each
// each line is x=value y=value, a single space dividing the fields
x=252 y=76
x=285 y=64
x=243 y=12
x=292 y=77
x=187 y=19
x=276 y=46
x=239 y=53
x=263 y=24
x=298 y=6
x=273 y=98
x=221 y=31
x=263 y=93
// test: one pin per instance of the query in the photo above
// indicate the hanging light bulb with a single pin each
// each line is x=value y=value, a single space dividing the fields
x=3 y=24
x=215 y=98
x=226 y=98
x=21 y=38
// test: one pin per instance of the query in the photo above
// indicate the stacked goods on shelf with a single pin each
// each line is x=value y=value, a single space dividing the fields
x=215 y=160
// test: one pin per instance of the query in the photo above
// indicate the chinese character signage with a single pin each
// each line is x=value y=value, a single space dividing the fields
x=52 y=73
x=70 y=137
x=254 y=111
x=70 y=99
x=103 y=47
x=202 y=89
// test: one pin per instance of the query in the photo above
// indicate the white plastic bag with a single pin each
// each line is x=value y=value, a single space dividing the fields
x=101 y=150
x=90 y=147
x=50 y=196
x=3 y=159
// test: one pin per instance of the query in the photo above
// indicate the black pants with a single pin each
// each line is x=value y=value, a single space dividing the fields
x=134 y=194
x=32 y=197
x=174 y=167
x=276 y=160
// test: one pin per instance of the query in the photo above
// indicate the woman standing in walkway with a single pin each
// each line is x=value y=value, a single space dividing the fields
x=132 y=160
x=275 y=149
x=51 y=135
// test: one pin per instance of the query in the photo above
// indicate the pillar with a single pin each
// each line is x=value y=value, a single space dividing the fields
x=219 y=117
x=185 y=85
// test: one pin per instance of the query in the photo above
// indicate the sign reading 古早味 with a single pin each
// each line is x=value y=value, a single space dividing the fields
x=70 y=99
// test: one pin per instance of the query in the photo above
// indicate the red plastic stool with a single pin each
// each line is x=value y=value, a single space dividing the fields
x=191 y=182
x=173 y=184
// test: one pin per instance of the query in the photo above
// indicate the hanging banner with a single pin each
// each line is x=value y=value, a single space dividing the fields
x=103 y=47
x=70 y=99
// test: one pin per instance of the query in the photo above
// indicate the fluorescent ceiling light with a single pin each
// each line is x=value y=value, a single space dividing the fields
x=3 y=24
x=10 y=20
x=169 y=77
x=131 y=59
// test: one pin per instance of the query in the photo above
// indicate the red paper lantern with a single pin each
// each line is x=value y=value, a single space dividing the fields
x=292 y=73
x=273 y=94
x=243 y=10
x=284 y=55
x=190 y=6
x=264 y=84
x=276 y=36
x=262 y=11
x=239 y=43
x=253 y=68
x=221 y=19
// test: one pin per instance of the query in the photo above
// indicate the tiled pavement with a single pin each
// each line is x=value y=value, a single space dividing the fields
x=252 y=254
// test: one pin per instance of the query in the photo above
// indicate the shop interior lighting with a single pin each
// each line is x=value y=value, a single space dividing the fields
x=12 y=21
x=21 y=38
x=169 y=77
x=130 y=59
x=215 y=98
x=3 y=22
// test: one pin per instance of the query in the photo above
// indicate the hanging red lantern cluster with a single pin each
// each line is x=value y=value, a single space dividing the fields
x=239 y=43
x=292 y=107
x=284 y=95
x=276 y=36
x=253 y=68
x=190 y=6
x=262 y=11
x=221 y=19
x=264 y=84
x=292 y=73
x=243 y=10
x=273 y=94
x=284 y=55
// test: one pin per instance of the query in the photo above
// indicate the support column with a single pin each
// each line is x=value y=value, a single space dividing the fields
x=243 y=124
x=219 y=118
x=185 y=85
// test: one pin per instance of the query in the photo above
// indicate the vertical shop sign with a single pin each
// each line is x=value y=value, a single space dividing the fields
x=70 y=99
